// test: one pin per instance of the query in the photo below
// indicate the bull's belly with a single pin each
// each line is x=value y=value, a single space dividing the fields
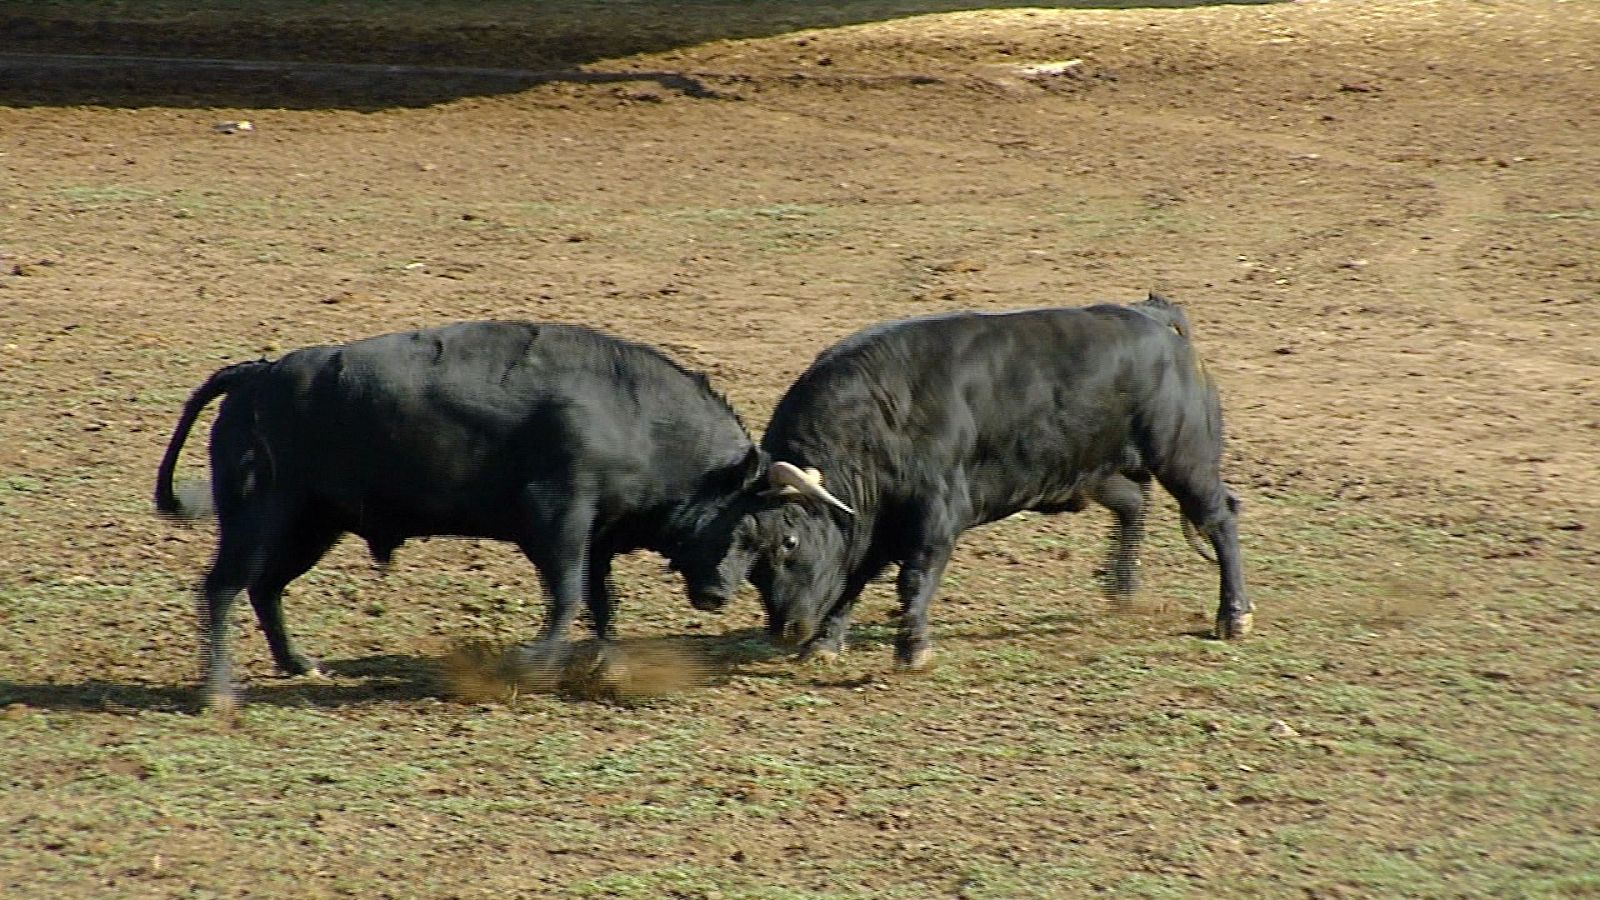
x=385 y=521
x=1060 y=500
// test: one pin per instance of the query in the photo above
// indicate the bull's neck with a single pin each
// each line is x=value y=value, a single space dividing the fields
x=848 y=481
x=680 y=523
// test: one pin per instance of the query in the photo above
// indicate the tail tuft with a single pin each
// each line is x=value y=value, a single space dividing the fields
x=196 y=502
x=1191 y=535
x=188 y=501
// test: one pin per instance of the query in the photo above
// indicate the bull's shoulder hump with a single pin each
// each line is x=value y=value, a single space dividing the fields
x=529 y=358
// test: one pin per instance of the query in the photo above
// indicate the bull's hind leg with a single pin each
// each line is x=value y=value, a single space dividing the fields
x=1213 y=509
x=302 y=547
x=1127 y=499
x=228 y=576
x=247 y=543
x=1235 y=618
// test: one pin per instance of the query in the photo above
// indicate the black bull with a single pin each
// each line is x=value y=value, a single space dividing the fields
x=571 y=444
x=928 y=427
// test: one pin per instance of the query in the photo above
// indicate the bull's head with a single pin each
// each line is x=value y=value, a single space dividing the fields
x=789 y=480
x=778 y=529
x=706 y=553
x=794 y=544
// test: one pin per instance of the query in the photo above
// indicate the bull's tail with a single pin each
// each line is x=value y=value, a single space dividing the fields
x=224 y=380
x=1192 y=534
x=1166 y=312
x=1172 y=315
x=1193 y=537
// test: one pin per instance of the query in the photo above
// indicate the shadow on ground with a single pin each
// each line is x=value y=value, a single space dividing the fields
x=655 y=668
x=386 y=678
x=320 y=54
x=402 y=678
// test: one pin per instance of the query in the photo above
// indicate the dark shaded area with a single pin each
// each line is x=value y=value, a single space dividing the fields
x=383 y=679
x=388 y=678
x=69 y=80
x=313 y=55
x=97 y=696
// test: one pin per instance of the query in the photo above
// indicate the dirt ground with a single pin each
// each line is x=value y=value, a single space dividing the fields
x=1382 y=216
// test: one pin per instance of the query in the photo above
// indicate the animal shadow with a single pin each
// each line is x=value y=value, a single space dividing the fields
x=384 y=678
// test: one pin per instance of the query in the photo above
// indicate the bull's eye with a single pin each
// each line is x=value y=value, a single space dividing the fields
x=790 y=542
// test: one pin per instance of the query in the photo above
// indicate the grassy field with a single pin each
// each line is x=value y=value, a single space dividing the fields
x=1388 y=739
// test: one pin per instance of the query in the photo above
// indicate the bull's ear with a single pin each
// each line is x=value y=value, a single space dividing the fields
x=753 y=468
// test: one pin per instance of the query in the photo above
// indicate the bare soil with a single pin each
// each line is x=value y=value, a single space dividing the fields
x=1382 y=217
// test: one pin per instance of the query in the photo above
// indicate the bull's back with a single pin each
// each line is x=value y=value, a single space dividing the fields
x=444 y=428
x=1019 y=408
x=1051 y=397
x=495 y=379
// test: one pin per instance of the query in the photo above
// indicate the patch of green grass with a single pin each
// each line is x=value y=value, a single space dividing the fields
x=780 y=212
x=1112 y=217
x=804 y=701
x=98 y=195
x=1586 y=214
x=700 y=881
x=20 y=484
x=1155 y=886
x=783 y=227
x=987 y=879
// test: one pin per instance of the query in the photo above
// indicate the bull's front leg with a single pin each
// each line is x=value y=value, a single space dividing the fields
x=918 y=582
x=829 y=641
x=598 y=594
x=608 y=662
x=563 y=564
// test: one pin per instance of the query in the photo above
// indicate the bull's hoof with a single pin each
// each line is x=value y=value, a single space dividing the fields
x=1121 y=604
x=913 y=659
x=795 y=635
x=821 y=656
x=221 y=705
x=541 y=666
x=1234 y=629
x=301 y=665
x=219 y=695
x=609 y=673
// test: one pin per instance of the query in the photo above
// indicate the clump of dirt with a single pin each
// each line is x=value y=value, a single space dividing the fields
x=478 y=671
x=484 y=671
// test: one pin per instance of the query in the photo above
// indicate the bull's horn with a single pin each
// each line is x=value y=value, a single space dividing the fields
x=789 y=478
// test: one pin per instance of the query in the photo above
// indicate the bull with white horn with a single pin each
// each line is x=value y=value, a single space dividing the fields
x=928 y=427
